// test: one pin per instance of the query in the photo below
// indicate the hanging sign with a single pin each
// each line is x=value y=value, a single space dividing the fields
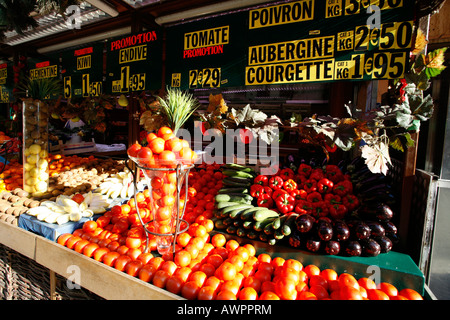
x=134 y=62
x=6 y=82
x=293 y=42
x=82 y=71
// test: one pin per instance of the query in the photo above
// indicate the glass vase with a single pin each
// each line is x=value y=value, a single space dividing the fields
x=35 y=147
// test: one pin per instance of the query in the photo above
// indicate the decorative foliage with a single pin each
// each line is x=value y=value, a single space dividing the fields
x=177 y=106
x=39 y=89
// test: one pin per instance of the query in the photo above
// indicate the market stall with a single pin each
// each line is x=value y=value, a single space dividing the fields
x=218 y=159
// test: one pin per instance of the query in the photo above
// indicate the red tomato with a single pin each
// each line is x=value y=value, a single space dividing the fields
x=145 y=153
x=90 y=226
x=89 y=249
x=133 y=150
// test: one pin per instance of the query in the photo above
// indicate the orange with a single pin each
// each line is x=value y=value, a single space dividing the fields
x=389 y=289
x=376 y=294
x=410 y=294
x=346 y=279
x=226 y=295
x=350 y=293
x=218 y=240
x=248 y=293
x=311 y=270
x=319 y=291
x=157 y=145
x=164 y=130
x=226 y=271
x=367 y=283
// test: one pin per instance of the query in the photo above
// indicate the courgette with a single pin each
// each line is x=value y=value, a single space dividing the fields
x=231 y=229
x=248 y=214
x=238 y=174
x=289 y=224
x=235 y=166
x=260 y=225
x=241 y=232
x=228 y=209
x=237 y=182
x=252 y=235
x=263 y=214
x=240 y=198
x=221 y=205
x=218 y=224
x=278 y=222
x=233 y=190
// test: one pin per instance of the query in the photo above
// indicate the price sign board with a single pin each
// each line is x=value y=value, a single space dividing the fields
x=44 y=69
x=82 y=71
x=134 y=63
x=293 y=42
x=6 y=82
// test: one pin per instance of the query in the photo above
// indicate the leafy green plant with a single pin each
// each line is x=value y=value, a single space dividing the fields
x=39 y=89
x=178 y=106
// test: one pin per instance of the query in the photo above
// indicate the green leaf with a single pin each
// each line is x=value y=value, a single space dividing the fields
x=397 y=144
x=425 y=108
x=403 y=119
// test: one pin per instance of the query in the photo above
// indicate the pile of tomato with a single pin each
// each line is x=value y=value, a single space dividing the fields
x=320 y=192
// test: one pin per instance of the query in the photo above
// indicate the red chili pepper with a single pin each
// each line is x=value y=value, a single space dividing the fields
x=286 y=174
x=304 y=169
x=285 y=203
x=262 y=180
x=343 y=188
x=325 y=185
x=276 y=182
x=256 y=190
x=310 y=185
x=332 y=198
x=268 y=190
x=290 y=185
x=350 y=201
x=338 y=211
x=299 y=194
x=265 y=200
x=320 y=209
x=314 y=197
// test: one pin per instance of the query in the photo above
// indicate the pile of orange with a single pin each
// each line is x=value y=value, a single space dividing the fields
x=59 y=163
x=12 y=176
x=163 y=149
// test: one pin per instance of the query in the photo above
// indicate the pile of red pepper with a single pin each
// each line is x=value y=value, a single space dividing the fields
x=320 y=192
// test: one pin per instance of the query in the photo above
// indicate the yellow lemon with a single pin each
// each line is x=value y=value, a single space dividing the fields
x=43 y=176
x=42 y=164
x=26 y=152
x=35 y=149
x=27 y=166
x=41 y=186
x=34 y=172
x=28 y=188
x=32 y=158
x=31 y=181
x=43 y=153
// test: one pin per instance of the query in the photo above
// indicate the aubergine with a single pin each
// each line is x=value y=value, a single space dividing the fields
x=376 y=229
x=325 y=230
x=341 y=231
x=371 y=181
x=313 y=245
x=385 y=244
x=353 y=248
x=389 y=227
x=304 y=223
x=361 y=231
x=371 y=248
x=332 y=247
x=381 y=212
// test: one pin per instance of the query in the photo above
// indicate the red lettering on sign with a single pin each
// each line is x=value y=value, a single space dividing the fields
x=82 y=52
x=42 y=64
x=133 y=40
x=200 y=52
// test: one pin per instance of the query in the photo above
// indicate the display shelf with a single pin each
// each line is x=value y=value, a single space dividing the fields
x=94 y=276
x=392 y=267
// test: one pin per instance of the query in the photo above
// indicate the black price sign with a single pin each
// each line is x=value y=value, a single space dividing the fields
x=134 y=63
x=82 y=72
x=294 y=42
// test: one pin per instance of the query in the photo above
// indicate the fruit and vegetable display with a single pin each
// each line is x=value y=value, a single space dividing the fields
x=207 y=265
x=320 y=209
